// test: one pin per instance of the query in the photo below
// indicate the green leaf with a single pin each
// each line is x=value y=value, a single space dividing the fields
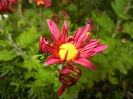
x=28 y=37
x=105 y=22
x=3 y=43
x=31 y=63
x=121 y=7
x=71 y=93
x=6 y=55
x=128 y=28
x=45 y=76
x=113 y=80
x=72 y=7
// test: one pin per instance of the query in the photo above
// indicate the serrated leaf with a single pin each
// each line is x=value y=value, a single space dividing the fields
x=105 y=22
x=31 y=63
x=72 y=7
x=113 y=80
x=128 y=28
x=71 y=93
x=45 y=76
x=6 y=55
x=120 y=6
x=27 y=37
x=47 y=12
x=3 y=43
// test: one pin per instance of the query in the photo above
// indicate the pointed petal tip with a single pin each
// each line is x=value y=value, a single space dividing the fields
x=61 y=90
x=94 y=68
x=85 y=62
x=48 y=20
x=106 y=46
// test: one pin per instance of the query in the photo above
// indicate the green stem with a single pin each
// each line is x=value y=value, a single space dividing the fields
x=41 y=17
x=119 y=21
x=18 y=49
x=20 y=8
x=1 y=24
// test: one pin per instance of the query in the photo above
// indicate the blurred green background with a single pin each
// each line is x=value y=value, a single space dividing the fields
x=22 y=71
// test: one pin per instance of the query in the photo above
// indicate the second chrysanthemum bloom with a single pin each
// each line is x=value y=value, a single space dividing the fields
x=41 y=3
x=70 y=49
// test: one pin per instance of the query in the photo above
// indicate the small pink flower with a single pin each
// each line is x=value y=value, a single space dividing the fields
x=121 y=28
x=100 y=12
x=64 y=14
x=42 y=44
x=69 y=76
x=6 y=5
x=56 y=19
x=41 y=3
x=70 y=49
x=91 y=24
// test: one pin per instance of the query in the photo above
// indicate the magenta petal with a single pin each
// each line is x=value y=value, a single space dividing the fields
x=66 y=71
x=86 y=37
x=61 y=90
x=77 y=33
x=43 y=44
x=87 y=55
x=84 y=62
x=48 y=4
x=64 y=32
x=83 y=33
x=92 y=43
x=100 y=48
x=54 y=30
x=51 y=60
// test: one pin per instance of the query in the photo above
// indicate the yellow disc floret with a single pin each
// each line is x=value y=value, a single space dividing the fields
x=40 y=3
x=68 y=49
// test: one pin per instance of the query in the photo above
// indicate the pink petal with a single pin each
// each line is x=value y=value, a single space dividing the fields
x=92 y=43
x=100 y=48
x=64 y=32
x=54 y=30
x=43 y=44
x=86 y=37
x=83 y=32
x=48 y=4
x=66 y=71
x=87 y=55
x=82 y=35
x=86 y=63
x=77 y=33
x=61 y=90
x=70 y=39
x=51 y=60
x=46 y=47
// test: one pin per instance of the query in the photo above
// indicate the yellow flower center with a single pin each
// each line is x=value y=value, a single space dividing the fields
x=40 y=3
x=68 y=49
x=88 y=33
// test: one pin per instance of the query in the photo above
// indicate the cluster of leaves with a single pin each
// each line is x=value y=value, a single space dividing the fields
x=22 y=72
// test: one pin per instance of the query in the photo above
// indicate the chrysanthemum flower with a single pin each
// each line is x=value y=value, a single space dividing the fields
x=69 y=76
x=6 y=5
x=69 y=49
x=64 y=14
x=91 y=24
x=41 y=3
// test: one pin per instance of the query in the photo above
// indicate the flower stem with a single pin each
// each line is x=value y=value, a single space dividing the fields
x=18 y=49
x=1 y=23
x=119 y=21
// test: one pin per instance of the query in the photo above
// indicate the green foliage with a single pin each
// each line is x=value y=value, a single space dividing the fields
x=22 y=71
x=128 y=28
x=105 y=22
x=121 y=7
x=6 y=55
x=27 y=37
